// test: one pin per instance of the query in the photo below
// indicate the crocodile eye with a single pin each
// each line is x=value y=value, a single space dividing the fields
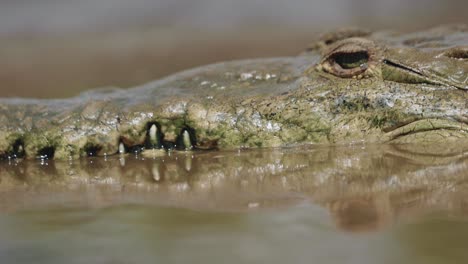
x=347 y=59
x=347 y=64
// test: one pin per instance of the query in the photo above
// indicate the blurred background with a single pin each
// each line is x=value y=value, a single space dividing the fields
x=57 y=48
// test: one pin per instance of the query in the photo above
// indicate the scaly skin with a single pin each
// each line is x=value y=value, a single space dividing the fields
x=350 y=86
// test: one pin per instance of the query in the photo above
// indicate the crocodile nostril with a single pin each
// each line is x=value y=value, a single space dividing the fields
x=46 y=153
x=122 y=148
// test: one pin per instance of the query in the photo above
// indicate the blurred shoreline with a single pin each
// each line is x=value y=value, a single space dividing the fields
x=60 y=48
x=64 y=65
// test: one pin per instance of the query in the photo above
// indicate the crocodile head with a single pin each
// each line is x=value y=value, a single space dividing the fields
x=351 y=86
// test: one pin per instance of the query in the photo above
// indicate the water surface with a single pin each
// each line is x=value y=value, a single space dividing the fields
x=348 y=204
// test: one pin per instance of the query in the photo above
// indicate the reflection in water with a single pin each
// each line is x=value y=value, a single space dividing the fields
x=260 y=200
x=363 y=187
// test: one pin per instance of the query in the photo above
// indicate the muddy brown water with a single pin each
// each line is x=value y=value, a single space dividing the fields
x=342 y=204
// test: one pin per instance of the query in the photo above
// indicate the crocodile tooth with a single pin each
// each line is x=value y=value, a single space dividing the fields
x=186 y=140
x=153 y=135
x=20 y=149
x=121 y=148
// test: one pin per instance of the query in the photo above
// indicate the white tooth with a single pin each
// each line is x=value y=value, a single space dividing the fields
x=121 y=148
x=186 y=140
x=153 y=134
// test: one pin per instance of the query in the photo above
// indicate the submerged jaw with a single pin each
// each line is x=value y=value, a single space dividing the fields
x=429 y=131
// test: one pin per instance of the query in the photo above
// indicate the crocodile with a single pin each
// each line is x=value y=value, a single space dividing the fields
x=350 y=86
